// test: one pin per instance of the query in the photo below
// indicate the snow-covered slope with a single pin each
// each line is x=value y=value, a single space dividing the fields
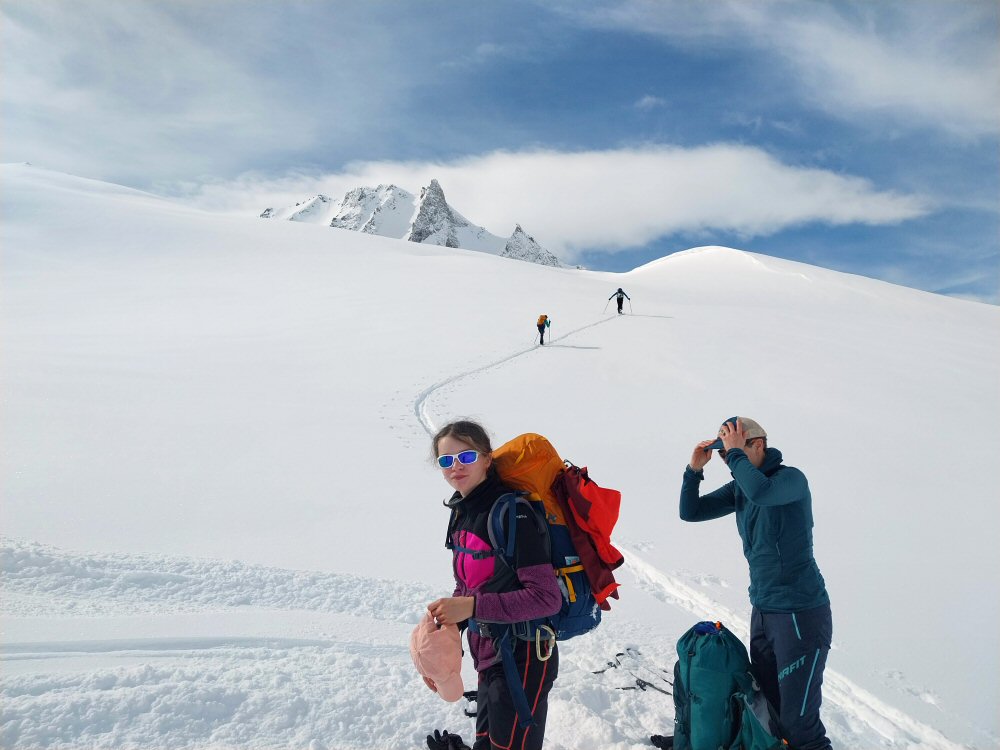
x=221 y=519
x=390 y=211
x=314 y=210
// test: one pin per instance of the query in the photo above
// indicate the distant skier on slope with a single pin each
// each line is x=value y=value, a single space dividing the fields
x=543 y=322
x=790 y=624
x=621 y=299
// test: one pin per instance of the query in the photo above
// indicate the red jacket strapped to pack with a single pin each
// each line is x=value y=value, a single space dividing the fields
x=530 y=463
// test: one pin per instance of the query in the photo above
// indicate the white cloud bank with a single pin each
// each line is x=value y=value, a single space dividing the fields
x=607 y=200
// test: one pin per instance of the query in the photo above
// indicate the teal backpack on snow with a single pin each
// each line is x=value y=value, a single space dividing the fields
x=717 y=703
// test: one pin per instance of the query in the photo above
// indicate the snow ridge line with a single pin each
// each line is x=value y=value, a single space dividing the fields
x=846 y=696
x=420 y=403
x=152 y=647
x=39 y=580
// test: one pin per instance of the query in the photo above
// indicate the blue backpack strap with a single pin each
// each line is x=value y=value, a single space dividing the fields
x=502 y=635
x=505 y=645
x=476 y=554
x=508 y=550
x=503 y=515
x=502 y=525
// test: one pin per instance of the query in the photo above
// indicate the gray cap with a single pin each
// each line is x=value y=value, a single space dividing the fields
x=752 y=429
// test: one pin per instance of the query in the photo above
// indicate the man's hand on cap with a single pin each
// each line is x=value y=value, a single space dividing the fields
x=733 y=436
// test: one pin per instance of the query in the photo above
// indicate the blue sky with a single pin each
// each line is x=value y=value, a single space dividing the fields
x=857 y=136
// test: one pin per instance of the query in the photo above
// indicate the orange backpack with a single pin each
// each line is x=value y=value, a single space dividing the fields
x=574 y=506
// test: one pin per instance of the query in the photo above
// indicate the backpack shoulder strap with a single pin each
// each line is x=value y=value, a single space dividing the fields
x=502 y=524
x=449 y=543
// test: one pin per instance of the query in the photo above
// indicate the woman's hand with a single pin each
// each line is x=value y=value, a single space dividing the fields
x=452 y=610
x=700 y=456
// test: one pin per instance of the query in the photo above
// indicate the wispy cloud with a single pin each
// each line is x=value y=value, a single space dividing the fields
x=609 y=200
x=649 y=102
x=915 y=64
x=487 y=53
x=755 y=124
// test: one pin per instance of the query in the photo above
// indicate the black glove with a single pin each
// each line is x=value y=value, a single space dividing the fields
x=446 y=741
x=664 y=743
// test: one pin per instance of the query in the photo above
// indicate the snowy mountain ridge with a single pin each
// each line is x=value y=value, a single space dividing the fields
x=390 y=211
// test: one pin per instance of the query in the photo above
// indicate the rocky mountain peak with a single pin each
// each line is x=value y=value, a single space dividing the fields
x=435 y=218
x=523 y=246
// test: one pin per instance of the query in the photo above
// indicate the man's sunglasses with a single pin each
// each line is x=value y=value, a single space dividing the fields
x=465 y=457
x=723 y=451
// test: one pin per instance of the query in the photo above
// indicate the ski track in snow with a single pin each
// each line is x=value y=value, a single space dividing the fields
x=420 y=404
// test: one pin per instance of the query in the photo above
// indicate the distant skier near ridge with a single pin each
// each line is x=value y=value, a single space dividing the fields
x=543 y=323
x=791 y=626
x=620 y=294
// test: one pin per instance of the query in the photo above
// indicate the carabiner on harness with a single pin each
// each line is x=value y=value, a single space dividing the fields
x=550 y=640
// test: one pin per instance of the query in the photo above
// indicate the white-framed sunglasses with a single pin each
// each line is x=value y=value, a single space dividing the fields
x=465 y=458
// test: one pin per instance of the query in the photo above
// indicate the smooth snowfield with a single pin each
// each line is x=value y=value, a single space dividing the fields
x=221 y=522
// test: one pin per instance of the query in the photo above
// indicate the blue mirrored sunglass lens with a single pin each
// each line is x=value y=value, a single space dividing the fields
x=445 y=462
x=468 y=457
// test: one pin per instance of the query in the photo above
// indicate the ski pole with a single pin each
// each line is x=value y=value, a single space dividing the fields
x=630 y=308
x=606 y=306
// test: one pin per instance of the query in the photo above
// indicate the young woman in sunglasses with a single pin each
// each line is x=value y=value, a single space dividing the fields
x=486 y=589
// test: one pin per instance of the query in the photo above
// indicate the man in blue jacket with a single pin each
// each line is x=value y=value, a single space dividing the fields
x=790 y=626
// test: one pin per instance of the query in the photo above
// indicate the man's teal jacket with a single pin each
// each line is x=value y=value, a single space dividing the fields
x=773 y=510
